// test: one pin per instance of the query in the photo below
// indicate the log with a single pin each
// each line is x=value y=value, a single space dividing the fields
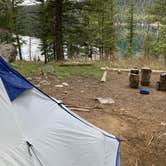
x=104 y=77
x=134 y=80
x=145 y=76
x=161 y=85
x=75 y=64
x=126 y=70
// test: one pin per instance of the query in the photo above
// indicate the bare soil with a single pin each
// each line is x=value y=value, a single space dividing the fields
x=139 y=120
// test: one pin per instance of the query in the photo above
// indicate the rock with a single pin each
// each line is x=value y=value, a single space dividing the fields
x=29 y=78
x=44 y=82
x=38 y=78
x=162 y=135
x=8 y=52
x=163 y=123
x=65 y=84
x=48 y=69
x=37 y=85
x=105 y=100
x=65 y=92
x=59 y=86
x=162 y=138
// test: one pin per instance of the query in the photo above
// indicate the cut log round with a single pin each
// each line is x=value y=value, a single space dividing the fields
x=145 y=76
x=163 y=81
x=134 y=80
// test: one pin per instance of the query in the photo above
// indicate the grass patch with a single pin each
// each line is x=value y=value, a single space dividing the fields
x=30 y=68
x=67 y=71
x=27 y=69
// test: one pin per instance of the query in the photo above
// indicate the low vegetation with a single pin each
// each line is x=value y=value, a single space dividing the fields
x=31 y=68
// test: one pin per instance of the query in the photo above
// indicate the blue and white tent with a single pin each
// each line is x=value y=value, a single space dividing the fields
x=36 y=130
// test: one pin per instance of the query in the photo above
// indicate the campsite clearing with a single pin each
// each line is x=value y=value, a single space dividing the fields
x=136 y=119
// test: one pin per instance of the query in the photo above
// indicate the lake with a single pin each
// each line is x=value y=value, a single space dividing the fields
x=32 y=44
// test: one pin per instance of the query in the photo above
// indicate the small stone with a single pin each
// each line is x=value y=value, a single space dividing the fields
x=105 y=100
x=59 y=86
x=82 y=91
x=48 y=69
x=162 y=135
x=38 y=78
x=163 y=123
x=29 y=78
x=44 y=82
x=65 y=84
x=37 y=85
x=65 y=92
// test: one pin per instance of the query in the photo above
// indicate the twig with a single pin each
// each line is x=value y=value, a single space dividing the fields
x=151 y=139
x=79 y=109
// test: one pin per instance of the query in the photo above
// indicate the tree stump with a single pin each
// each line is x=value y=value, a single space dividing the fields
x=134 y=78
x=161 y=85
x=145 y=76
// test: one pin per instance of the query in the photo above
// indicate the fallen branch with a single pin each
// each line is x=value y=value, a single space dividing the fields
x=79 y=109
x=151 y=139
x=127 y=70
x=95 y=107
x=136 y=163
x=76 y=64
x=104 y=77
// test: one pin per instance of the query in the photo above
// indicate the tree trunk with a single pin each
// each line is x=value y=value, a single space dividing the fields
x=58 y=30
x=30 y=50
x=19 y=47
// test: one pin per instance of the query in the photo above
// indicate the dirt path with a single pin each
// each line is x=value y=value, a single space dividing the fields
x=139 y=120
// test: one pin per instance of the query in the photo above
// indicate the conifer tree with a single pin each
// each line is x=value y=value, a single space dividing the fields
x=130 y=27
x=159 y=13
x=10 y=8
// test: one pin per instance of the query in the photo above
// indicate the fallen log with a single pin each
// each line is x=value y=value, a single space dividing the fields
x=75 y=64
x=127 y=70
x=104 y=77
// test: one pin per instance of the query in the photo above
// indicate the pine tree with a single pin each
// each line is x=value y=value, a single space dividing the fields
x=58 y=29
x=10 y=8
x=130 y=27
x=159 y=13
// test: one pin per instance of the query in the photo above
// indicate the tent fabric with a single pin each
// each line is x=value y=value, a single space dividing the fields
x=36 y=130
x=13 y=83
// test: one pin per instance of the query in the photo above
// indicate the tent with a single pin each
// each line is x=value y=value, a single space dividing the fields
x=37 y=130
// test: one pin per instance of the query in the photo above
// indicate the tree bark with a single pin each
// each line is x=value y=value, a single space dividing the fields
x=19 y=47
x=58 y=30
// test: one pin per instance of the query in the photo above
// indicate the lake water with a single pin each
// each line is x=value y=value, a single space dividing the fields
x=35 y=48
x=121 y=43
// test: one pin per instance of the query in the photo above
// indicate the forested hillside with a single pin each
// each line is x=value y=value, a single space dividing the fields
x=87 y=27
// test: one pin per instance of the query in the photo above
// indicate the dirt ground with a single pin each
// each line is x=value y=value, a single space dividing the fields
x=139 y=120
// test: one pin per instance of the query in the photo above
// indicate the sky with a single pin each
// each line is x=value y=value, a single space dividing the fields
x=31 y=2
x=28 y=2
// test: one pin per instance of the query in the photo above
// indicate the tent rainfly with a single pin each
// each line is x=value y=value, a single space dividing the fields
x=37 y=130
